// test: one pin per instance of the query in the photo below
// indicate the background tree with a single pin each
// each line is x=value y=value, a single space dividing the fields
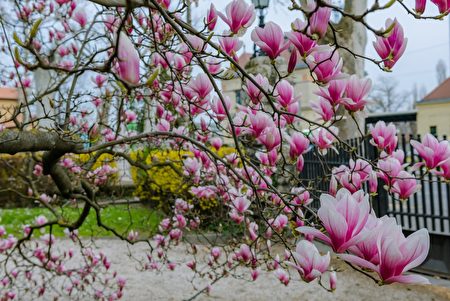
x=441 y=71
x=385 y=96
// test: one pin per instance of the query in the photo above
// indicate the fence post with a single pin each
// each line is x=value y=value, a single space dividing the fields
x=380 y=201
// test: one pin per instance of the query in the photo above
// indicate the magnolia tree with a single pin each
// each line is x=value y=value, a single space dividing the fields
x=89 y=70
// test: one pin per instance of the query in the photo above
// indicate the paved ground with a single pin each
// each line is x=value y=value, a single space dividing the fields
x=147 y=286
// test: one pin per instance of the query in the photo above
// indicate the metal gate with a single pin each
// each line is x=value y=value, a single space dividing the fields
x=428 y=208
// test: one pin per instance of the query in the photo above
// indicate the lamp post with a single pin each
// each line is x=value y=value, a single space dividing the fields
x=261 y=6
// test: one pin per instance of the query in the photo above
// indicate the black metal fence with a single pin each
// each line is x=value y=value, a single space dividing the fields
x=428 y=208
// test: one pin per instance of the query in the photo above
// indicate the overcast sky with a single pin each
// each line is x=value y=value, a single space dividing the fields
x=428 y=41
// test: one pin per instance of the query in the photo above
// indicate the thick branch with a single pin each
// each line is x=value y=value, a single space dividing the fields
x=122 y=3
x=15 y=141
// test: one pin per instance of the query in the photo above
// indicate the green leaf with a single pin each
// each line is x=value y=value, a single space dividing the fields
x=35 y=28
x=18 y=40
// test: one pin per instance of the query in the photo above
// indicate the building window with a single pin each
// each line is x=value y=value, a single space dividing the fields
x=433 y=130
x=238 y=97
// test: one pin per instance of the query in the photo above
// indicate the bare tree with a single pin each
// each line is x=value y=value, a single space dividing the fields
x=387 y=98
x=417 y=94
x=441 y=71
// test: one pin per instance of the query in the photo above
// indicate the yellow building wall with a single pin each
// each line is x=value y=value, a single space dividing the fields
x=433 y=114
x=6 y=110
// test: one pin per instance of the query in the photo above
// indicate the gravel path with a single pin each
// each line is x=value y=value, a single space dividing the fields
x=175 y=285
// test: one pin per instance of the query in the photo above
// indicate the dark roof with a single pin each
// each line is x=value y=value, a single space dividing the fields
x=441 y=92
x=392 y=117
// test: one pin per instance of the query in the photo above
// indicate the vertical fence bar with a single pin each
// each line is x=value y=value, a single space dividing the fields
x=406 y=210
x=416 y=207
x=440 y=202
x=423 y=194
x=431 y=199
x=448 y=206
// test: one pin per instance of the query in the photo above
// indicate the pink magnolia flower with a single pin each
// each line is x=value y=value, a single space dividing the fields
x=433 y=152
x=270 y=39
x=38 y=169
x=163 y=126
x=392 y=47
x=283 y=276
x=158 y=60
x=241 y=204
x=99 y=80
x=111 y=22
x=213 y=66
x=348 y=179
x=301 y=41
x=205 y=192
x=318 y=22
x=443 y=5
x=334 y=92
x=253 y=231
x=164 y=3
x=367 y=247
x=79 y=15
x=216 y=142
x=196 y=42
x=343 y=217
x=269 y=158
x=211 y=18
x=373 y=182
x=239 y=16
x=291 y=112
x=254 y=274
x=443 y=170
x=298 y=145
x=40 y=220
x=356 y=92
x=389 y=168
x=253 y=92
x=216 y=252
x=230 y=45
x=235 y=216
x=191 y=166
x=259 y=122
x=292 y=61
x=420 y=6
x=128 y=60
x=396 y=254
x=270 y=137
x=404 y=185
x=325 y=63
x=302 y=197
x=333 y=280
x=280 y=222
x=175 y=234
x=130 y=116
x=201 y=86
x=219 y=109
x=62 y=2
x=324 y=138
x=308 y=261
x=384 y=137
x=360 y=167
x=324 y=108
x=244 y=254
x=285 y=93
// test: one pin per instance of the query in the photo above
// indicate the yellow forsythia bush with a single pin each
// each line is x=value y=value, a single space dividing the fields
x=165 y=181
x=103 y=159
